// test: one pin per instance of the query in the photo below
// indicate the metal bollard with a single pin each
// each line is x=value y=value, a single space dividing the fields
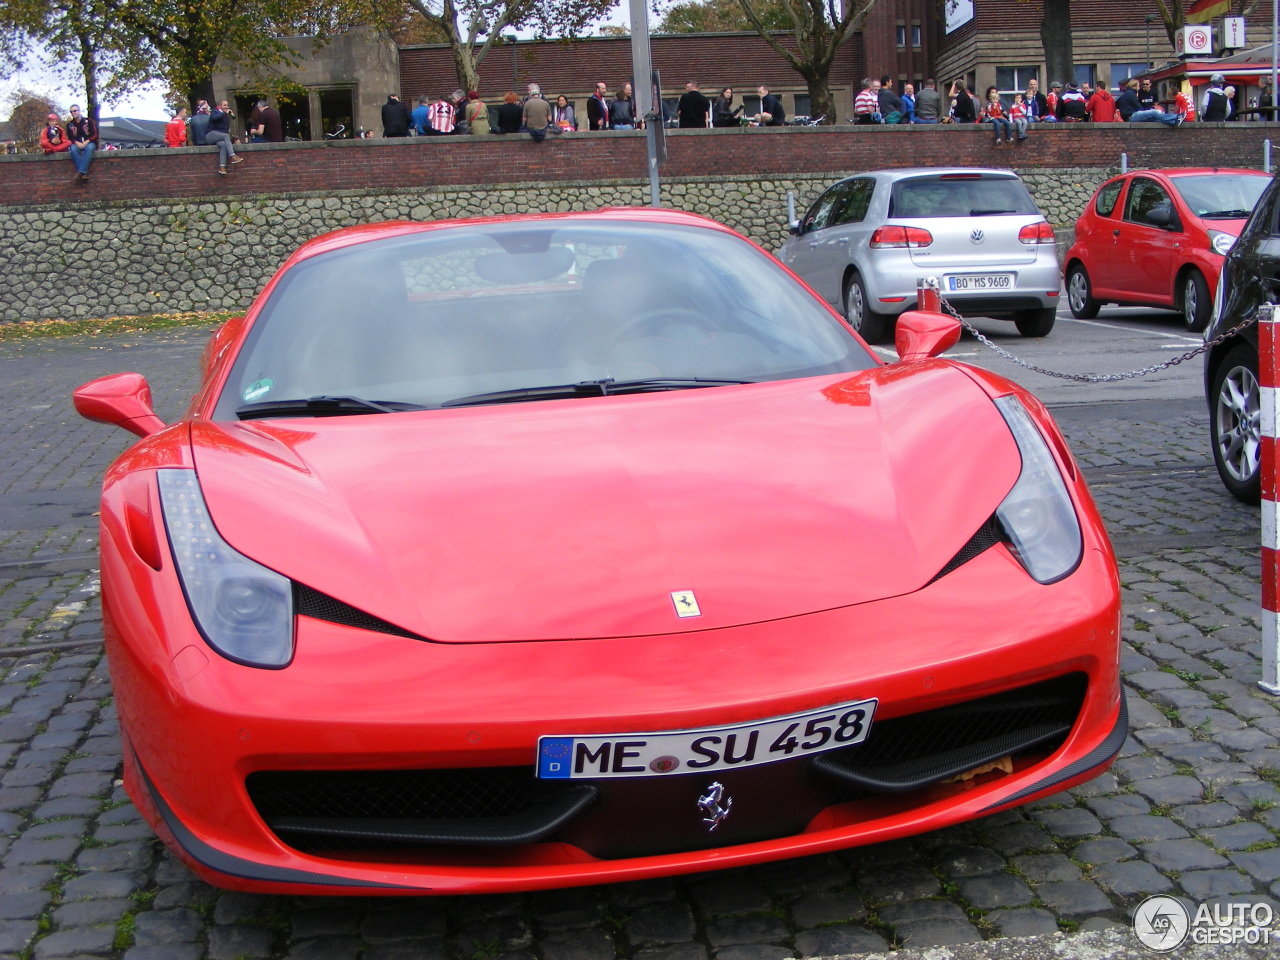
x=1124 y=163
x=927 y=296
x=1266 y=156
x=1268 y=381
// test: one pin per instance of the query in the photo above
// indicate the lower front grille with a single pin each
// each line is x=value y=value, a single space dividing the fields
x=374 y=813
x=907 y=753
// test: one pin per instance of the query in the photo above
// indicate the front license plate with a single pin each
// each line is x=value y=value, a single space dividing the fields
x=698 y=751
x=980 y=281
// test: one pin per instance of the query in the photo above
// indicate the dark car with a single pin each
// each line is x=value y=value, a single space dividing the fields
x=1250 y=278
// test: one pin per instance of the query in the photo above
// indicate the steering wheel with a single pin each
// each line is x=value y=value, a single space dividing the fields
x=653 y=320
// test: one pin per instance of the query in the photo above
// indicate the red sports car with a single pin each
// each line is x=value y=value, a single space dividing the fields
x=1156 y=238
x=552 y=550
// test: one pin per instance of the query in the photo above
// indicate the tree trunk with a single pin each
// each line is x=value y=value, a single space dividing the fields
x=821 y=103
x=1055 y=35
x=465 y=66
x=202 y=89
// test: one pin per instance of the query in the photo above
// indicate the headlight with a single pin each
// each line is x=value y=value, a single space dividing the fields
x=1221 y=242
x=242 y=609
x=1038 y=515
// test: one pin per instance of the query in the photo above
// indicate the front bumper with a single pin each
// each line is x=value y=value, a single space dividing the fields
x=197 y=726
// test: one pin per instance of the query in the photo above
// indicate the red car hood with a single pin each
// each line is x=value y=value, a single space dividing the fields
x=579 y=518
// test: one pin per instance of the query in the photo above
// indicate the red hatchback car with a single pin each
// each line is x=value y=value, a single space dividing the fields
x=1156 y=238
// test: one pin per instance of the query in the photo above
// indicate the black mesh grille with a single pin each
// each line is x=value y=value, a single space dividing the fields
x=391 y=794
x=321 y=606
x=918 y=737
x=988 y=535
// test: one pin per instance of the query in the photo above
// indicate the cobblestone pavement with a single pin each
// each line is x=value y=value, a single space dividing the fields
x=1191 y=807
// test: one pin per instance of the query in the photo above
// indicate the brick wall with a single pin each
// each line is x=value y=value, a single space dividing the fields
x=285 y=169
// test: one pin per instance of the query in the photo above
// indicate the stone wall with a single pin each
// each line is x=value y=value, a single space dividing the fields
x=116 y=258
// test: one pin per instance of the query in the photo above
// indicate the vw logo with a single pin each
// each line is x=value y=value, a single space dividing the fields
x=977 y=236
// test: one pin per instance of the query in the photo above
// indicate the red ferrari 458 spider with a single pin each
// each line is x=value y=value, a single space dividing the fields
x=551 y=550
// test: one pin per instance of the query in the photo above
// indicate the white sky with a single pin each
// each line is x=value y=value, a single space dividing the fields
x=148 y=103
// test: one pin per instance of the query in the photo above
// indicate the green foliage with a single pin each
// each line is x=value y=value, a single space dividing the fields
x=721 y=16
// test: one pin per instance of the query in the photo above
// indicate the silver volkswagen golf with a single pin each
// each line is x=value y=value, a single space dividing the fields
x=865 y=242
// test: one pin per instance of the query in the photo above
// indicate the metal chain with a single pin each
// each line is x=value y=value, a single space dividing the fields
x=1094 y=377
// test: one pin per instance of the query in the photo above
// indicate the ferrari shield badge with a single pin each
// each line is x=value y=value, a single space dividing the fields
x=686 y=603
x=714 y=805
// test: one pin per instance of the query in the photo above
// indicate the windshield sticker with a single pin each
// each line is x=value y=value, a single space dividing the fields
x=258 y=389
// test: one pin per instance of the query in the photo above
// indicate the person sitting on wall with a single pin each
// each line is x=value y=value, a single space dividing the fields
x=1127 y=104
x=928 y=105
x=175 y=131
x=536 y=116
x=53 y=139
x=1101 y=106
x=598 y=108
x=219 y=135
x=771 y=113
x=200 y=123
x=1072 y=106
x=265 y=125
x=1215 y=107
x=476 y=113
x=441 y=117
x=419 y=120
x=621 y=111
x=510 y=114
x=723 y=112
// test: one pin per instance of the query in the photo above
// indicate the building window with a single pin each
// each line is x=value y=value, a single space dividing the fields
x=1011 y=80
x=902 y=34
x=916 y=40
x=802 y=105
x=1120 y=72
x=1085 y=73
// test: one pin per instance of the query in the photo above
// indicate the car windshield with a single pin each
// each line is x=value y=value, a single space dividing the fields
x=1220 y=196
x=960 y=195
x=505 y=312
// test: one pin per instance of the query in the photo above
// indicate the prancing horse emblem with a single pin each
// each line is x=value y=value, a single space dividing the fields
x=715 y=805
x=977 y=236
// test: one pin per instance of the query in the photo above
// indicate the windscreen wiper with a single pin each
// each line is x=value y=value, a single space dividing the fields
x=587 y=388
x=322 y=406
x=994 y=212
x=1226 y=215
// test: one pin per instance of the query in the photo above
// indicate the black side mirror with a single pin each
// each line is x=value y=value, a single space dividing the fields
x=1161 y=216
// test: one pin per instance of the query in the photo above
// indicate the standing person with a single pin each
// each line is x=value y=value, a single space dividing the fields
x=963 y=109
x=441 y=117
x=598 y=109
x=175 y=131
x=1146 y=95
x=1215 y=106
x=621 y=115
x=395 y=117
x=866 y=105
x=1051 y=101
x=908 y=103
x=1071 y=105
x=771 y=113
x=928 y=103
x=476 y=112
x=219 y=135
x=510 y=114
x=265 y=125
x=1101 y=107
x=563 y=116
x=53 y=139
x=723 y=112
x=1037 y=104
x=536 y=116
x=1018 y=116
x=889 y=102
x=694 y=110
x=83 y=134
x=199 y=123
x=1264 y=100
x=993 y=113
x=419 y=119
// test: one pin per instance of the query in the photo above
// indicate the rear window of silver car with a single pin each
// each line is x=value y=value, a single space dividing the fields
x=960 y=195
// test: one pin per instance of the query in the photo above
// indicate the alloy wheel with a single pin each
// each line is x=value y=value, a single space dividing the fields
x=1238 y=413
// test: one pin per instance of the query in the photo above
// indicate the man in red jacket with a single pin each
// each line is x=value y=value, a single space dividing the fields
x=1101 y=106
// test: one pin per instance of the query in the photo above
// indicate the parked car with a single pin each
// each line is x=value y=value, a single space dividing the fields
x=538 y=551
x=867 y=240
x=1156 y=238
x=1250 y=277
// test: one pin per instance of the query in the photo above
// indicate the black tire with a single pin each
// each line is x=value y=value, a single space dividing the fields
x=1036 y=323
x=1080 y=293
x=871 y=326
x=1235 y=414
x=1197 y=301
